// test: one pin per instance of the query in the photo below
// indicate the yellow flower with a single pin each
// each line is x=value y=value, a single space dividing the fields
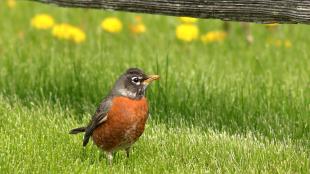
x=280 y=43
x=138 y=18
x=42 y=21
x=137 y=27
x=277 y=43
x=11 y=3
x=61 y=31
x=112 y=25
x=213 y=36
x=187 y=32
x=188 y=20
x=78 y=35
x=287 y=43
x=68 y=32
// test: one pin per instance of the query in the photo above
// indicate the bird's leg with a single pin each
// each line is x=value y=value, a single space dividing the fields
x=110 y=157
x=127 y=151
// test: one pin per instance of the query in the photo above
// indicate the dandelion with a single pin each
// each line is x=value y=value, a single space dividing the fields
x=11 y=3
x=138 y=27
x=187 y=32
x=42 y=21
x=287 y=43
x=112 y=25
x=78 y=35
x=280 y=43
x=138 y=19
x=277 y=43
x=213 y=36
x=188 y=20
x=68 y=32
x=61 y=31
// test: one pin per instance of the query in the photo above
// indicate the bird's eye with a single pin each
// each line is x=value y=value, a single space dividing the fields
x=135 y=79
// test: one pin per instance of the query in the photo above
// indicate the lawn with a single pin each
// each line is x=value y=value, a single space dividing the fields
x=224 y=107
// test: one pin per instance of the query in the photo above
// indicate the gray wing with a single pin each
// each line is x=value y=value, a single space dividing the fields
x=99 y=117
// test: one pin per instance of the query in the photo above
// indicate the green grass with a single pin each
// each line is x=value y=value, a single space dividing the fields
x=219 y=108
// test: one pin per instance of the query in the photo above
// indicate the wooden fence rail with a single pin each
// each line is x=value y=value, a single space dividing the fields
x=260 y=11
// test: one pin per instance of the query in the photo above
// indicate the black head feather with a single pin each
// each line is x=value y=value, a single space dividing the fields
x=130 y=84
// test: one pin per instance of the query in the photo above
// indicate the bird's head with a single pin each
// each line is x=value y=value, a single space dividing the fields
x=133 y=83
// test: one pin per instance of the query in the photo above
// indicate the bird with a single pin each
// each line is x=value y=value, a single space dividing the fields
x=120 y=119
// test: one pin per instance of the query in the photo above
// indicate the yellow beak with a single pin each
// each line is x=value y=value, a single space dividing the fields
x=150 y=78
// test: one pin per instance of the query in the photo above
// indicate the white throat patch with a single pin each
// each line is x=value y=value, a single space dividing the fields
x=127 y=93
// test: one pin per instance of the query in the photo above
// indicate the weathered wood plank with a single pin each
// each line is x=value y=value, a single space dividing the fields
x=261 y=11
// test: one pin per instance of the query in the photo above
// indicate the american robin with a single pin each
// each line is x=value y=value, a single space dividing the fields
x=120 y=119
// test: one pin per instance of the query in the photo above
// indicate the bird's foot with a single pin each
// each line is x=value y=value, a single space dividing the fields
x=110 y=158
x=127 y=151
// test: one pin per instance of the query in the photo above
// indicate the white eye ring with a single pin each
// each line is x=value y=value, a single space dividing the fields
x=135 y=80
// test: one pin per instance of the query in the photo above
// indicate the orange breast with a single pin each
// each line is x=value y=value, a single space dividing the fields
x=124 y=125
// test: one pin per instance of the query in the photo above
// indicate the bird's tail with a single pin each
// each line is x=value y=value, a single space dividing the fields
x=88 y=132
x=77 y=130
